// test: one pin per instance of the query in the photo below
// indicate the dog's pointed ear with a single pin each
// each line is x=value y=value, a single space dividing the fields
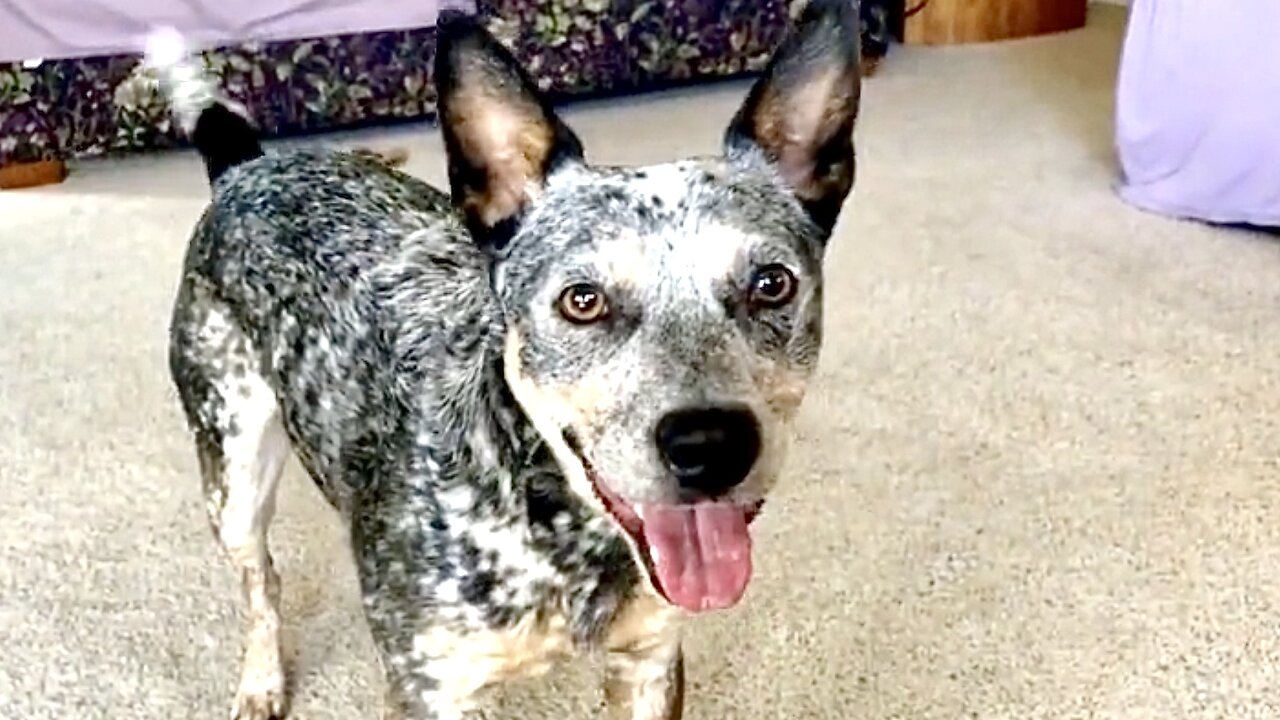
x=501 y=136
x=801 y=112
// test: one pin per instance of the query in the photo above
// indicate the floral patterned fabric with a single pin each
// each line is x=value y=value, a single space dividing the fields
x=94 y=106
x=605 y=46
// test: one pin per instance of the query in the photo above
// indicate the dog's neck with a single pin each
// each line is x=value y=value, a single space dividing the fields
x=455 y=407
x=486 y=460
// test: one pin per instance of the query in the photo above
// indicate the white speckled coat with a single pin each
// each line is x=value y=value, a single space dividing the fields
x=548 y=405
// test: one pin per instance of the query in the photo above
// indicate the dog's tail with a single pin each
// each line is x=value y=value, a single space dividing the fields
x=219 y=130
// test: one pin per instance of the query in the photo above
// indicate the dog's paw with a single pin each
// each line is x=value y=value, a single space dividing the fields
x=259 y=705
x=261 y=694
x=260 y=698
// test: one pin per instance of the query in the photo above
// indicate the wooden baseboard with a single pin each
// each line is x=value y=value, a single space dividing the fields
x=953 y=22
x=32 y=174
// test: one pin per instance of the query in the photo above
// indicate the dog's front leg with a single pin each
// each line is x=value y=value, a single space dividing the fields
x=422 y=682
x=645 y=682
x=419 y=699
x=437 y=671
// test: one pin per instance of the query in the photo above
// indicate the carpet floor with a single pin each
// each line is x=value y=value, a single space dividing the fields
x=1036 y=477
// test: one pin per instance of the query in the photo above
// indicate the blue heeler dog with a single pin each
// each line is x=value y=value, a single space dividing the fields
x=549 y=404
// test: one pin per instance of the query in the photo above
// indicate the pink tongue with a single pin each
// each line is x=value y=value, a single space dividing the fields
x=701 y=553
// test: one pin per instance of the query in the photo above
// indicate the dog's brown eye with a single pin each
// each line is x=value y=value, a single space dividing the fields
x=583 y=304
x=773 y=286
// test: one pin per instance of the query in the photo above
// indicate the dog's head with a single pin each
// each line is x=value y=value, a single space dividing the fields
x=662 y=322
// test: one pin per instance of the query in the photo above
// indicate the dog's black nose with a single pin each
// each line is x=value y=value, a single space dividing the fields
x=709 y=450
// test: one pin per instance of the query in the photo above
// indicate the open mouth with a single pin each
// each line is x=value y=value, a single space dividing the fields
x=698 y=554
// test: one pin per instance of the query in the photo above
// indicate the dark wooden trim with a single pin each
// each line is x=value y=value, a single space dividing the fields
x=32 y=174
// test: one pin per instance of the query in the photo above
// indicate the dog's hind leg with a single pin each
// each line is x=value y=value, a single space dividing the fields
x=240 y=477
x=242 y=446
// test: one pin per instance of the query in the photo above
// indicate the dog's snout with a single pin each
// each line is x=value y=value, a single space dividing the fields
x=710 y=450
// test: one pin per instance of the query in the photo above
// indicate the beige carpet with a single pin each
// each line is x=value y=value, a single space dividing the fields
x=1037 y=478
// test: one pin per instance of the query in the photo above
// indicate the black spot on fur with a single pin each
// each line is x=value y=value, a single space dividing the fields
x=224 y=140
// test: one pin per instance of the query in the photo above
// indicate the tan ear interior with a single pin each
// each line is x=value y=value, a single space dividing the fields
x=510 y=141
x=794 y=124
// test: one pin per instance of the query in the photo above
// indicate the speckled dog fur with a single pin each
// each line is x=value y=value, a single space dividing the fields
x=474 y=380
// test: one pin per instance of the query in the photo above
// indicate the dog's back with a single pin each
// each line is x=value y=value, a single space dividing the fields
x=319 y=258
x=318 y=270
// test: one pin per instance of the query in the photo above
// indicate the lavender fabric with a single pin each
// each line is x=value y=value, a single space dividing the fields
x=1198 y=110
x=57 y=29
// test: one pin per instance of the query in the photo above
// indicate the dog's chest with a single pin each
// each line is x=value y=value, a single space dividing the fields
x=521 y=599
x=481 y=656
x=478 y=657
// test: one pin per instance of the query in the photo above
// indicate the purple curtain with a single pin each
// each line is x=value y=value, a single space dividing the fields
x=1198 y=110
